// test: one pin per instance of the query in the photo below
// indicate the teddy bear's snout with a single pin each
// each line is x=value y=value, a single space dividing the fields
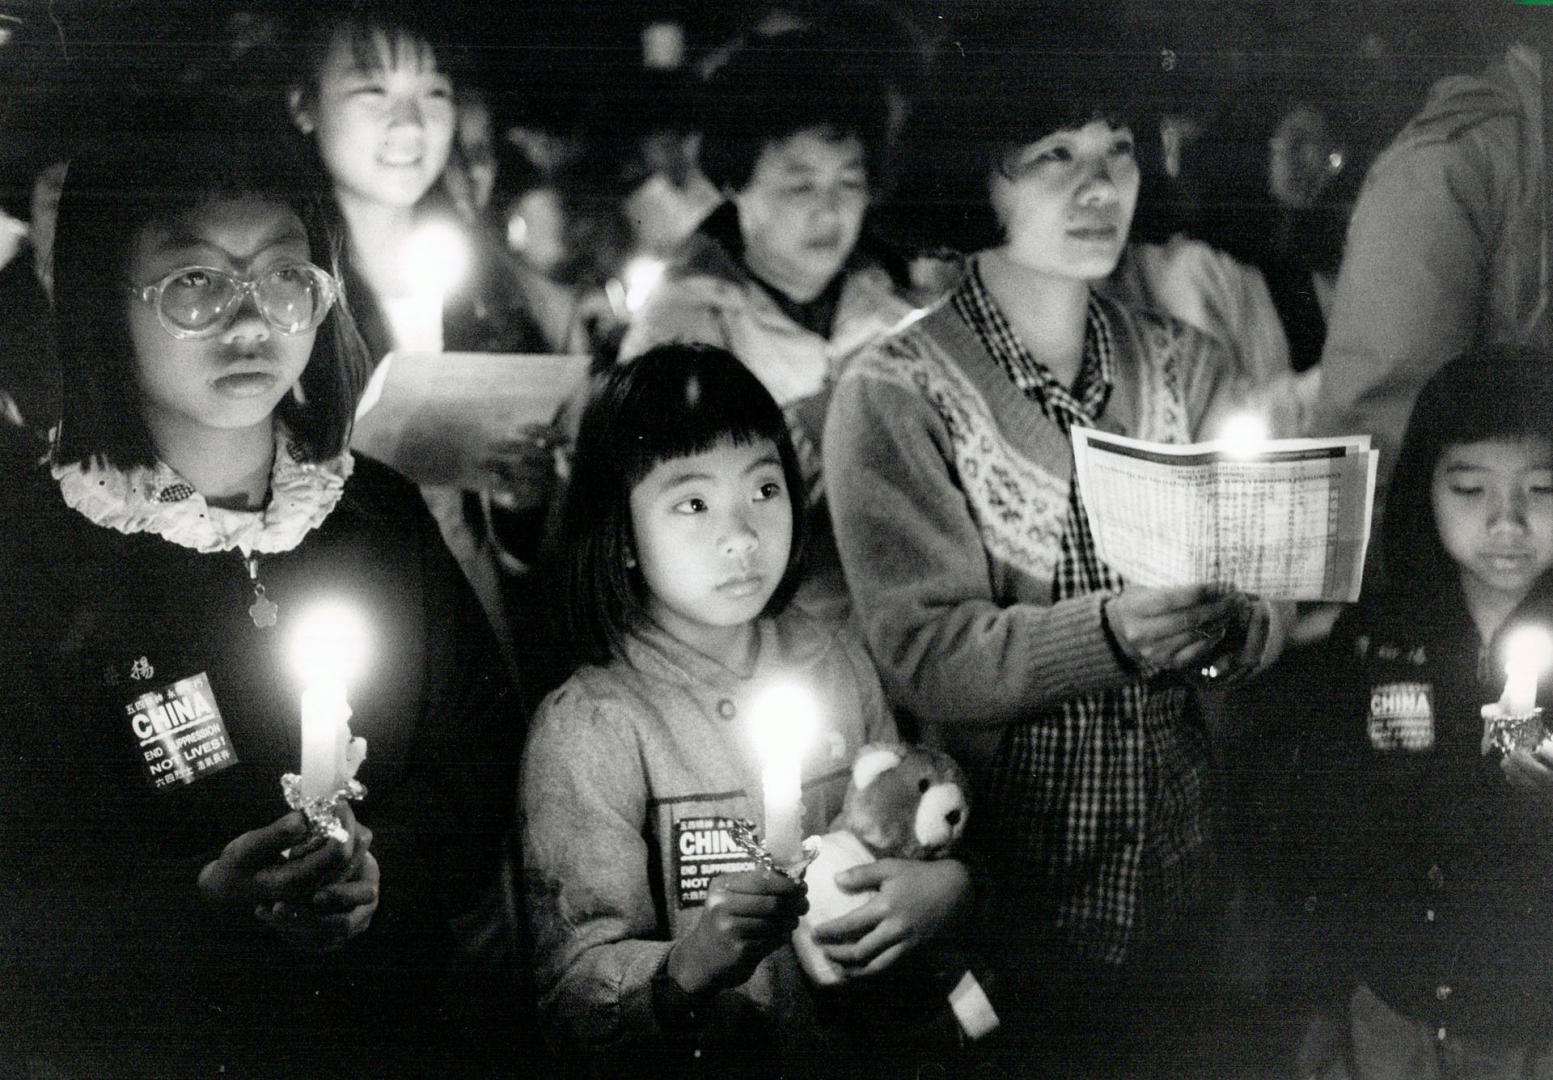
x=940 y=816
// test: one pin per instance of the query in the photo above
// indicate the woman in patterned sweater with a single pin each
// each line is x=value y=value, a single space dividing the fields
x=990 y=614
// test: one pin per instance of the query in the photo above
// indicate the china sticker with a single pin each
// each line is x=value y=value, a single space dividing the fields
x=703 y=849
x=179 y=733
x=1402 y=716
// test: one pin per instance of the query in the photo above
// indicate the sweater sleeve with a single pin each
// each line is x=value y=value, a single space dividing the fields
x=1409 y=294
x=947 y=649
x=597 y=939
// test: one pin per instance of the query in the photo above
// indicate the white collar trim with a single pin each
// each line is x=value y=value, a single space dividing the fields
x=158 y=500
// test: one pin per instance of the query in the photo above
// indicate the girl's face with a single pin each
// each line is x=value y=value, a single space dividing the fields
x=712 y=535
x=802 y=210
x=383 y=130
x=233 y=379
x=1066 y=200
x=1493 y=508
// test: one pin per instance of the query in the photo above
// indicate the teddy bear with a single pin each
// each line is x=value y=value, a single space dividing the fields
x=903 y=802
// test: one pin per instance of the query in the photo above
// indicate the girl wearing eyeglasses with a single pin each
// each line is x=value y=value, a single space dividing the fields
x=163 y=913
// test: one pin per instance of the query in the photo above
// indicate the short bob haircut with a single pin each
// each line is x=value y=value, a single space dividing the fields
x=1502 y=392
x=119 y=186
x=670 y=402
x=985 y=107
x=776 y=85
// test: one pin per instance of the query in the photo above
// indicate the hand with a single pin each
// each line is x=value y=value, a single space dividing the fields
x=914 y=903
x=1531 y=771
x=333 y=915
x=1248 y=633
x=1175 y=628
x=251 y=869
x=522 y=468
x=747 y=917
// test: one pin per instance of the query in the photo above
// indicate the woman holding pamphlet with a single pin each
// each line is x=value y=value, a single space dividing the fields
x=993 y=619
x=164 y=913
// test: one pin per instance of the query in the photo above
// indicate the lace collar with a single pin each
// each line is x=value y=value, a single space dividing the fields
x=158 y=500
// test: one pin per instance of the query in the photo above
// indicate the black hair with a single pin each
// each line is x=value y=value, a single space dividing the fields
x=671 y=402
x=198 y=154
x=1502 y=392
x=364 y=23
x=777 y=85
x=987 y=104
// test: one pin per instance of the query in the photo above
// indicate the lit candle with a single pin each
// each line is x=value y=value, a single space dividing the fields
x=784 y=719
x=1528 y=651
x=328 y=650
x=1244 y=435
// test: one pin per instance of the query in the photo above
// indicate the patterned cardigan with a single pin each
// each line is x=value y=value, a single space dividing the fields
x=950 y=492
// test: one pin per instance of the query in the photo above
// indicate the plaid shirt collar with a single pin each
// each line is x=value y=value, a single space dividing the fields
x=1087 y=400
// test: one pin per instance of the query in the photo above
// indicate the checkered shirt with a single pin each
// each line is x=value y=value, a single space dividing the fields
x=1102 y=795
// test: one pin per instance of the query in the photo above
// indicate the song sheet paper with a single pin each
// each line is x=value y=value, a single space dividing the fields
x=440 y=418
x=1289 y=520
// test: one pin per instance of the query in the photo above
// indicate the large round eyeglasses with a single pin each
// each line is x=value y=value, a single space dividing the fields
x=199 y=301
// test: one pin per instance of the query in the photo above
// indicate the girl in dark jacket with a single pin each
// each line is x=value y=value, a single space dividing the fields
x=1437 y=853
x=161 y=910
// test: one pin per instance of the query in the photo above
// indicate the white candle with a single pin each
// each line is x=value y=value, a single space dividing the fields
x=1244 y=436
x=1527 y=652
x=329 y=647
x=325 y=733
x=784 y=717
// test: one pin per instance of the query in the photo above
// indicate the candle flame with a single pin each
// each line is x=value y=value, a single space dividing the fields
x=436 y=258
x=1528 y=649
x=1244 y=435
x=642 y=276
x=785 y=717
x=329 y=643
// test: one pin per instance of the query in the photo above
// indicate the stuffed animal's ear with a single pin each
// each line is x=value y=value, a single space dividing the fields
x=871 y=762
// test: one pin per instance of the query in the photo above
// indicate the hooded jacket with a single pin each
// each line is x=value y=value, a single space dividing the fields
x=1445 y=251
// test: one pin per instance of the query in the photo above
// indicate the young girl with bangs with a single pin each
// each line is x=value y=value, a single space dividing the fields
x=680 y=542
x=164 y=913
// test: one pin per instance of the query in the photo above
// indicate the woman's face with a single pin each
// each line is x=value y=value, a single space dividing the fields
x=384 y=128
x=233 y=379
x=1066 y=200
x=802 y=210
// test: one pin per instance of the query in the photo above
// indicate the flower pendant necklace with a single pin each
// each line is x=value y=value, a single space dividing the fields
x=263 y=611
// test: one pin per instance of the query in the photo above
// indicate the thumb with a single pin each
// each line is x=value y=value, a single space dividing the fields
x=263 y=846
x=862 y=878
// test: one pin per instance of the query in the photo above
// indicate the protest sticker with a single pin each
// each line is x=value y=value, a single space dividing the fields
x=179 y=733
x=704 y=849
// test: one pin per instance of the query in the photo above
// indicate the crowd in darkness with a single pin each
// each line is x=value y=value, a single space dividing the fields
x=839 y=281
